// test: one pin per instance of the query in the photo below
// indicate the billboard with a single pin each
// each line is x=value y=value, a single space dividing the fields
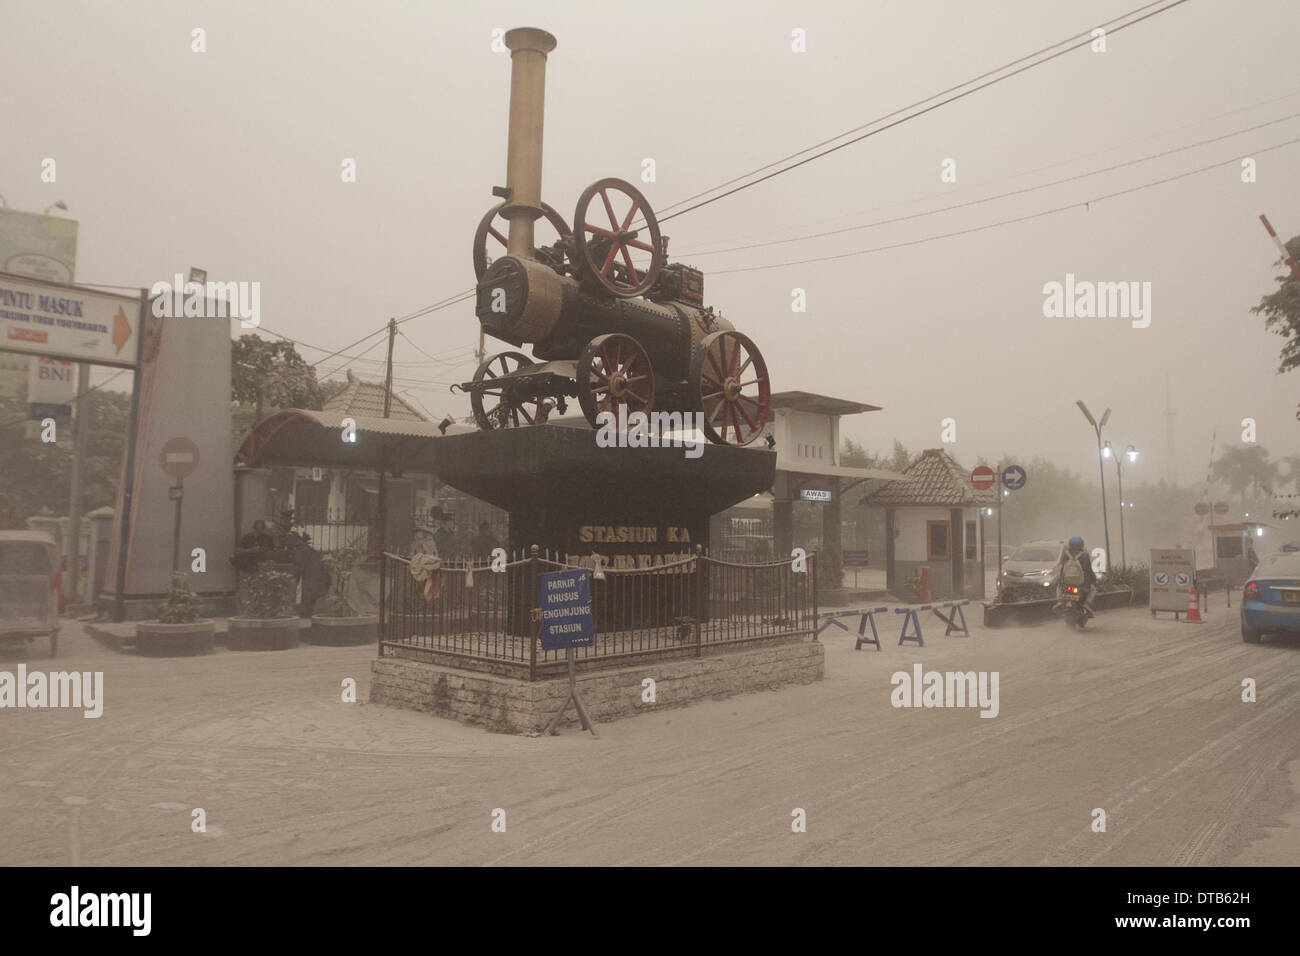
x=42 y=247
x=67 y=322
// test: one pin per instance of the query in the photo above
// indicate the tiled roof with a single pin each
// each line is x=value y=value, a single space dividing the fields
x=934 y=478
x=366 y=400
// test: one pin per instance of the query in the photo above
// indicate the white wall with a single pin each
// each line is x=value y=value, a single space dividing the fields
x=910 y=544
x=805 y=441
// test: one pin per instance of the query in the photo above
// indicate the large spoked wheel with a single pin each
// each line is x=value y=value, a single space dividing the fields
x=495 y=226
x=731 y=387
x=508 y=405
x=614 y=370
x=624 y=260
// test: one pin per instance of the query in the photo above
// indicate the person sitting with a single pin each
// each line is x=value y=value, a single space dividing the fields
x=254 y=548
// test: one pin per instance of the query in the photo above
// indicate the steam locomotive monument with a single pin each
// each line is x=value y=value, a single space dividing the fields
x=614 y=325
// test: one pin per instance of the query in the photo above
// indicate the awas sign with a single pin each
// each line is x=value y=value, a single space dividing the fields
x=1172 y=574
x=67 y=322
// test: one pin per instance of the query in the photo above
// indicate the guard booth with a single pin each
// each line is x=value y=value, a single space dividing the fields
x=933 y=519
x=1232 y=542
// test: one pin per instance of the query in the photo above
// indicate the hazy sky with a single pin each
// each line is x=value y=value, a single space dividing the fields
x=230 y=160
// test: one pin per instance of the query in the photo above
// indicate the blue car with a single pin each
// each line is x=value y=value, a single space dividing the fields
x=1270 y=601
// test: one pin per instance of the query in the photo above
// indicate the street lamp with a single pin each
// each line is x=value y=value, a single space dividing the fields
x=1097 y=427
x=1131 y=454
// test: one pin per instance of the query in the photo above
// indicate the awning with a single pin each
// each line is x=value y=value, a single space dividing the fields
x=306 y=438
x=836 y=471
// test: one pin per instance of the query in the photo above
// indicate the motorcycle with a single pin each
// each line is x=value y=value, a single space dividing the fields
x=1070 y=606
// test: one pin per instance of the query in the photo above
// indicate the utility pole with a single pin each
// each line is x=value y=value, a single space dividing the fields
x=383 y=483
x=81 y=430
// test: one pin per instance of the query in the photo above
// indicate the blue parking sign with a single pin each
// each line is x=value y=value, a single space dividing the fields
x=564 y=606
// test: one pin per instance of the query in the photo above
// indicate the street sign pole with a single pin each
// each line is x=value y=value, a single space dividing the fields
x=176 y=526
x=1001 y=497
x=128 y=471
x=81 y=431
x=572 y=655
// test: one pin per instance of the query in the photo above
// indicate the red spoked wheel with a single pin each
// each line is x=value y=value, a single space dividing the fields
x=495 y=226
x=513 y=400
x=624 y=260
x=614 y=370
x=731 y=387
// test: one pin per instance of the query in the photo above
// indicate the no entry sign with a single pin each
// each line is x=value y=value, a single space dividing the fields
x=179 y=457
x=982 y=478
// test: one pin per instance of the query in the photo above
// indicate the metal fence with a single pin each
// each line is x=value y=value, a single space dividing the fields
x=333 y=529
x=467 y=615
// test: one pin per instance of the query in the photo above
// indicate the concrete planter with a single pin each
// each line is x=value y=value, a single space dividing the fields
x=340 y=631
x=160 y=639
x=262 y=633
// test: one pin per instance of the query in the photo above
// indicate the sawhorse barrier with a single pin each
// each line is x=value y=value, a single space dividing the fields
x=955 y=621
x=909 y=617
x=867 y=615
x=955 y=614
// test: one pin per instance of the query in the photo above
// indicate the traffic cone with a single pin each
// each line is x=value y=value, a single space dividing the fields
x=1193 y=609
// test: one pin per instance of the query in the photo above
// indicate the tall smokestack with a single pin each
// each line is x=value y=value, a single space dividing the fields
x=528 y=48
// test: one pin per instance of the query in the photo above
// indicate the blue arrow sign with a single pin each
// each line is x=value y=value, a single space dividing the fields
x=1013 y=477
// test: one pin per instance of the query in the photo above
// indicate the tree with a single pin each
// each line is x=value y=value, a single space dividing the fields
x=1245 y=468
x=901 y=458
x=853 y=455
x=1292 y=477
x=35 y=475
x=1281 y=311
x=271 y=374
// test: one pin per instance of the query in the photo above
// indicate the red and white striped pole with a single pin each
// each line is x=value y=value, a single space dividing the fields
x=1286 y=255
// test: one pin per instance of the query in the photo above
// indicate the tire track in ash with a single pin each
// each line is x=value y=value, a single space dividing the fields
x=1118 y=691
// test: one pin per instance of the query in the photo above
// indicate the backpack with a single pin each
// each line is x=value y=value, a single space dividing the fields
x=1072 y=573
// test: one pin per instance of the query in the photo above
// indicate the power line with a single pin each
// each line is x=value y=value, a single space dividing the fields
x=1014 y=192
x=1003 y=179
x=374 y=345
x=1037 y=215
x=928 y=109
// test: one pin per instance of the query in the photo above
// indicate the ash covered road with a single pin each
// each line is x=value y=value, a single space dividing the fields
x=1141 y=718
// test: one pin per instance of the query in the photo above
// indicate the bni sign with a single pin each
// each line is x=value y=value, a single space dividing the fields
x=564 y=609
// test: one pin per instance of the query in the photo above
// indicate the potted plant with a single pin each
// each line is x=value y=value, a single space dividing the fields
x=268 y=622
x=180 y=629
x=340 y=623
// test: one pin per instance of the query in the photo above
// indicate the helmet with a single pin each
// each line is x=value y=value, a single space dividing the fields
x=1076 y=543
